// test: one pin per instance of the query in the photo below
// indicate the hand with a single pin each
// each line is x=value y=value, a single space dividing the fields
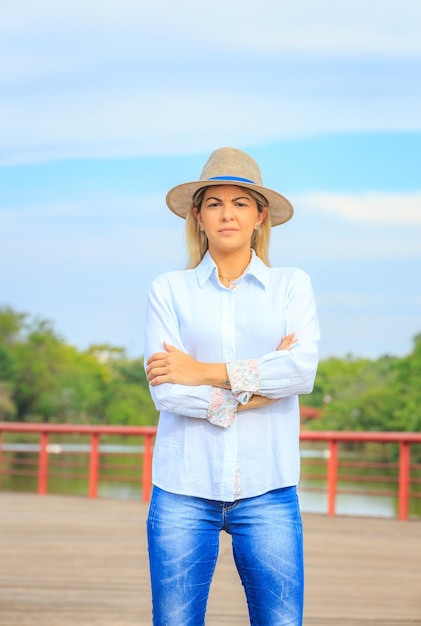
x=172 y=366
x=256 y=402
x=287 y=342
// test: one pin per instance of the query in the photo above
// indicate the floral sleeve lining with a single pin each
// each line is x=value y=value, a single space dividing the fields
x=244 y=379
x=222 y=407
x=244 y=376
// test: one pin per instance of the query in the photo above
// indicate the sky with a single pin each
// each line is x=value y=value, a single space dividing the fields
x=106 y=105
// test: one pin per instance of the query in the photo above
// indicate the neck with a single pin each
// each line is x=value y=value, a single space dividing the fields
x=232 y=266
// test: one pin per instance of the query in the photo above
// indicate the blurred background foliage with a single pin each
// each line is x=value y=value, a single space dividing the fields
x=43 y=379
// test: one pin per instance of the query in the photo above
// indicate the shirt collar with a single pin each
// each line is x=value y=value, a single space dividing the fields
x=256 y=268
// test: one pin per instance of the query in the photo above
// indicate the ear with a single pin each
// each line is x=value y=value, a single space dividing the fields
x=197 y=215
x=261 y=216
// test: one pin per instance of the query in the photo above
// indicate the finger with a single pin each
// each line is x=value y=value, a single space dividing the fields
x=287 y=342
x=169 y=348
x=158 y=380
x=154 y=365
x=158 y=356
x=155 y=371
x=155 y=376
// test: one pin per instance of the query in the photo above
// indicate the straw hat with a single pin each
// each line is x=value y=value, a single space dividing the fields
x=229 y=166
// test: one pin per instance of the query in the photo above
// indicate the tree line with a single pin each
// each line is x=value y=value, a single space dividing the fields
x=44 y=379
x=370 y=395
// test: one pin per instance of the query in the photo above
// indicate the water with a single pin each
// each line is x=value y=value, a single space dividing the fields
x=121 y=470
x=365 y=505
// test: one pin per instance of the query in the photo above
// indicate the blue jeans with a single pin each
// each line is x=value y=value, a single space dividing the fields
x=183 y=541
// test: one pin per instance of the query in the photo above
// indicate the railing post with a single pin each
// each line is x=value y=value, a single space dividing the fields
x=94 y=466
x=147 y=468
x=332 y=477
x=1 y=459
x=43 y=464
x=404 y=479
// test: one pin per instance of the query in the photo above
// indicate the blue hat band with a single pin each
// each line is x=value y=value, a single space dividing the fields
x=236 y=178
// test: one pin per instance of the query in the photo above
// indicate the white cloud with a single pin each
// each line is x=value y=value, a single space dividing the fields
x=375 y=27
x=129 y=78
x=135 y=121
x=369 y=206
x=95 y=233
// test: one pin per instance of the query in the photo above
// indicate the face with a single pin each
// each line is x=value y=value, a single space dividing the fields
x=228 y=216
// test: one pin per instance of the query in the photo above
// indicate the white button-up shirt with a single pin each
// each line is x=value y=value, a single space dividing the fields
x=204 y=447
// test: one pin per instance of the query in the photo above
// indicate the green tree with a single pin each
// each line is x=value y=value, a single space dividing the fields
x=129 y=400
x=43 y=378
x=12 y=324
x=408 y=387
x=54 y=381
x=130 y=404
x=369 y=395
x=79 y=393
x=36 y=359
x=7 y=364
x=7 y=406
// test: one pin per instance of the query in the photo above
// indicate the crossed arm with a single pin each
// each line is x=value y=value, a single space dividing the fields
x=175 y=366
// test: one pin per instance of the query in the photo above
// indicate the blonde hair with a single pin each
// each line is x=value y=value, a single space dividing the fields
x=197 y=242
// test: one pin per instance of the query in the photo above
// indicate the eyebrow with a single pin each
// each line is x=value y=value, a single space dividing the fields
x=232 y=199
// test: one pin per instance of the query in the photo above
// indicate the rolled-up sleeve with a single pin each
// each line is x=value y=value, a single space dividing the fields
x=222 y=407
x=283 y=373
x=198 y=401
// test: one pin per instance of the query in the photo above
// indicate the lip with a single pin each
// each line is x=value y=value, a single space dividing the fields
x=228 y=230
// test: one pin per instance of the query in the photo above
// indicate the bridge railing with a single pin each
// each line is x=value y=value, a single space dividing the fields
x=404 y=441
x=45 y=449
x=40 y=465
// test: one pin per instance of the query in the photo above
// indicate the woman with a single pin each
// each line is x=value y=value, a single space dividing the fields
x=230 y=344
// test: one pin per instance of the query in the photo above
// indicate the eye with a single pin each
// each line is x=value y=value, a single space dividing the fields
x=241 y=202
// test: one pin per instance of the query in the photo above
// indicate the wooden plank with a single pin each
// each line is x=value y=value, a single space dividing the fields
x=67 y=561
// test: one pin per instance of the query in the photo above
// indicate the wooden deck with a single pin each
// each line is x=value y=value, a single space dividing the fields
x=67 y=561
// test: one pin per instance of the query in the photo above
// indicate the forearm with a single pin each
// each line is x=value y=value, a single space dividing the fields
x=214 y=374
x=255 y=402
x=178 y=367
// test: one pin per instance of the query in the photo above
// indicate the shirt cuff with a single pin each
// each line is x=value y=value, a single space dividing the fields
x=243 y=397
x=222 y=407
x=244 y=376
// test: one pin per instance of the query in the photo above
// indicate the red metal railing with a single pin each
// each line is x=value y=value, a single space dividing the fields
x=147 y=433
x=94 y=432
x=403 y=439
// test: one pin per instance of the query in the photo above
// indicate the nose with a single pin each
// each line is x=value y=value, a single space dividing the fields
x=226 y=211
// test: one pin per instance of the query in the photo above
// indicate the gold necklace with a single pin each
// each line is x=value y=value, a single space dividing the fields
x=230 y=278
